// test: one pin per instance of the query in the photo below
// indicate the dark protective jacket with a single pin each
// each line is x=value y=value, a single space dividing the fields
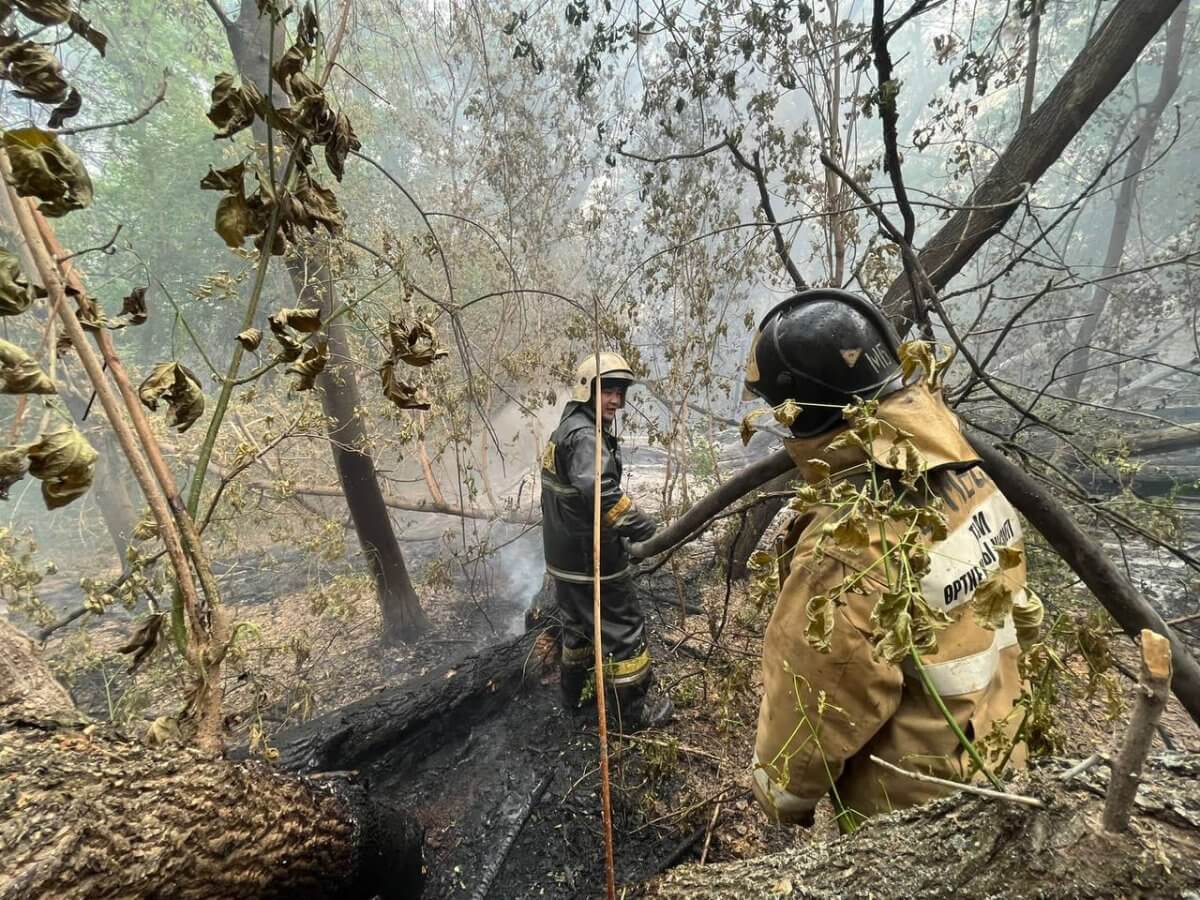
x=568 y=492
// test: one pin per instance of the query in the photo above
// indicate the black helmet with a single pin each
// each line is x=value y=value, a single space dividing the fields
x=821 y=348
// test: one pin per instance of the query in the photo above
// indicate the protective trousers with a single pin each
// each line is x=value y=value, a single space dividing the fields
x=623 y=636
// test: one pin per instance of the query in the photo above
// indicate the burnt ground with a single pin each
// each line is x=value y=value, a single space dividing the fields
x=510 y=804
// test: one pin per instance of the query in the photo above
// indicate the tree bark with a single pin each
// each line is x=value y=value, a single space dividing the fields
x=395 y=728
x=1151 y=443
x=1096 y=71
x=758 y=520
x=91 y=814
x=1127 y=199
x=403 y=619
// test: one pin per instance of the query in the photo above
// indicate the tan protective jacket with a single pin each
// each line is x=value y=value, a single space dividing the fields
x=824 y=714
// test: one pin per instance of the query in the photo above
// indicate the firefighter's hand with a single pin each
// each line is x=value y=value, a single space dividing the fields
x=634 y=549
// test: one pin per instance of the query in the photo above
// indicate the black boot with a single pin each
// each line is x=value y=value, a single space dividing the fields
x=572 y=681
x=641 y=706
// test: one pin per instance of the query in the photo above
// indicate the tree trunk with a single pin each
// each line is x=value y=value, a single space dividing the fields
x=1096 y=71
x=758 y=520
x=395 y=728
x=91 y=814
x=1127 y=199
x=403 y=619
x=965 y=846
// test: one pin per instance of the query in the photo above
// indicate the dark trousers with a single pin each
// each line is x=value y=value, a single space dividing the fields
x=623 y=640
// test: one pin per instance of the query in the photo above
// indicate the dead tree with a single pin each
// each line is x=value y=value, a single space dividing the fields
x=89 y=813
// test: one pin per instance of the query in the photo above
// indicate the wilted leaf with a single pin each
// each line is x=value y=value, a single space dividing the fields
x=163 y=730
x=340 y=143
x=231 y=179
x=310 y=205
x=786 y=412
x=179 y=388
x=306 y=320
x=66 y=464
x=818 y=630
x=415 y=342
x=992 y=602
x=309 y=366
x=45 y=12
x=19 y=374
x=405 y=396
x=144 y=641
x=250 y=338
x=289 y=349
x=35 y=72
x=1011 y=557
x=46 y=169
x=134 y=306
x=16 y=292
x=89 y=314
x=146 y=529
x=746 y=430
x=850 y=533
x=232 y=107
x=65 y=110
x=13 y=466
x=84 y=29
x=234 y=220
x=1027 y=613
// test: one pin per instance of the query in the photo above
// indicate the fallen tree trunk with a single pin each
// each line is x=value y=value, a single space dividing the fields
x=1168 y=440
x=970 y=846
x=88 y=813
x=1084 y=555
x=395 y=728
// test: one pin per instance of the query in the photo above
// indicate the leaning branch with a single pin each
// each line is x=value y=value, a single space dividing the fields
x=128 y=120
x=1038 y=143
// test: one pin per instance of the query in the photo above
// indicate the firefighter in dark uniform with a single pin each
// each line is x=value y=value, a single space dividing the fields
x=568 y=495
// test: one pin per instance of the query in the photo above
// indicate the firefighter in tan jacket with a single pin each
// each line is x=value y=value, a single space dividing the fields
x=824 y=714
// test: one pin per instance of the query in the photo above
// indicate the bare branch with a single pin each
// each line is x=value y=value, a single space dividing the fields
x=960 y=786
x=764 y=201
x=128 y=120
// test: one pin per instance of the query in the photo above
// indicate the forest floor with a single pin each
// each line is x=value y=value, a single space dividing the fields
x=679 y=793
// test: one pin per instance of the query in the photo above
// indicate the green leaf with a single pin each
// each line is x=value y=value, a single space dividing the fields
x=16 y=292
x=44 y=168
x=65 y=463
x=19 y=374
x=179 y=389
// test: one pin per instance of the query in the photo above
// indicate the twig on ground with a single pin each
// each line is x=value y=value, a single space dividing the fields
x=712 y=823
x=1090 y=763
x=958 y=786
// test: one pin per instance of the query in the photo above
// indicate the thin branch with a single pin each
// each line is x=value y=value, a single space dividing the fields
x=128 y=120
x=104 y=248
x=764 y=201
x=695 y=154
x=959 y=786
x=226 y=22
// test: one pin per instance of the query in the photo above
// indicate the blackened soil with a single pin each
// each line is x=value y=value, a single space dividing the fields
x=471 y=793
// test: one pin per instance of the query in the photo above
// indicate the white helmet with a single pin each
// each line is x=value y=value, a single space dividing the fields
x=612 y=368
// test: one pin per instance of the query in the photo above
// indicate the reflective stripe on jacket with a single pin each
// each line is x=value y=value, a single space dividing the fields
x=824 y=714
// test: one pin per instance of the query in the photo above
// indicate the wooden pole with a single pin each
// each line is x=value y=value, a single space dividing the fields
x=597 y=648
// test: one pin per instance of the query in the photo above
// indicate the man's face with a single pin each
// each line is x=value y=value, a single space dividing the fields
x=612 y=398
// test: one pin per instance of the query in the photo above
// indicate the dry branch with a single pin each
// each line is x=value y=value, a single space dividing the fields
x=1148 y=705
x=960 y=786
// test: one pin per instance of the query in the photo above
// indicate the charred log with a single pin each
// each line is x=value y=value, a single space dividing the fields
x=395 y=728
